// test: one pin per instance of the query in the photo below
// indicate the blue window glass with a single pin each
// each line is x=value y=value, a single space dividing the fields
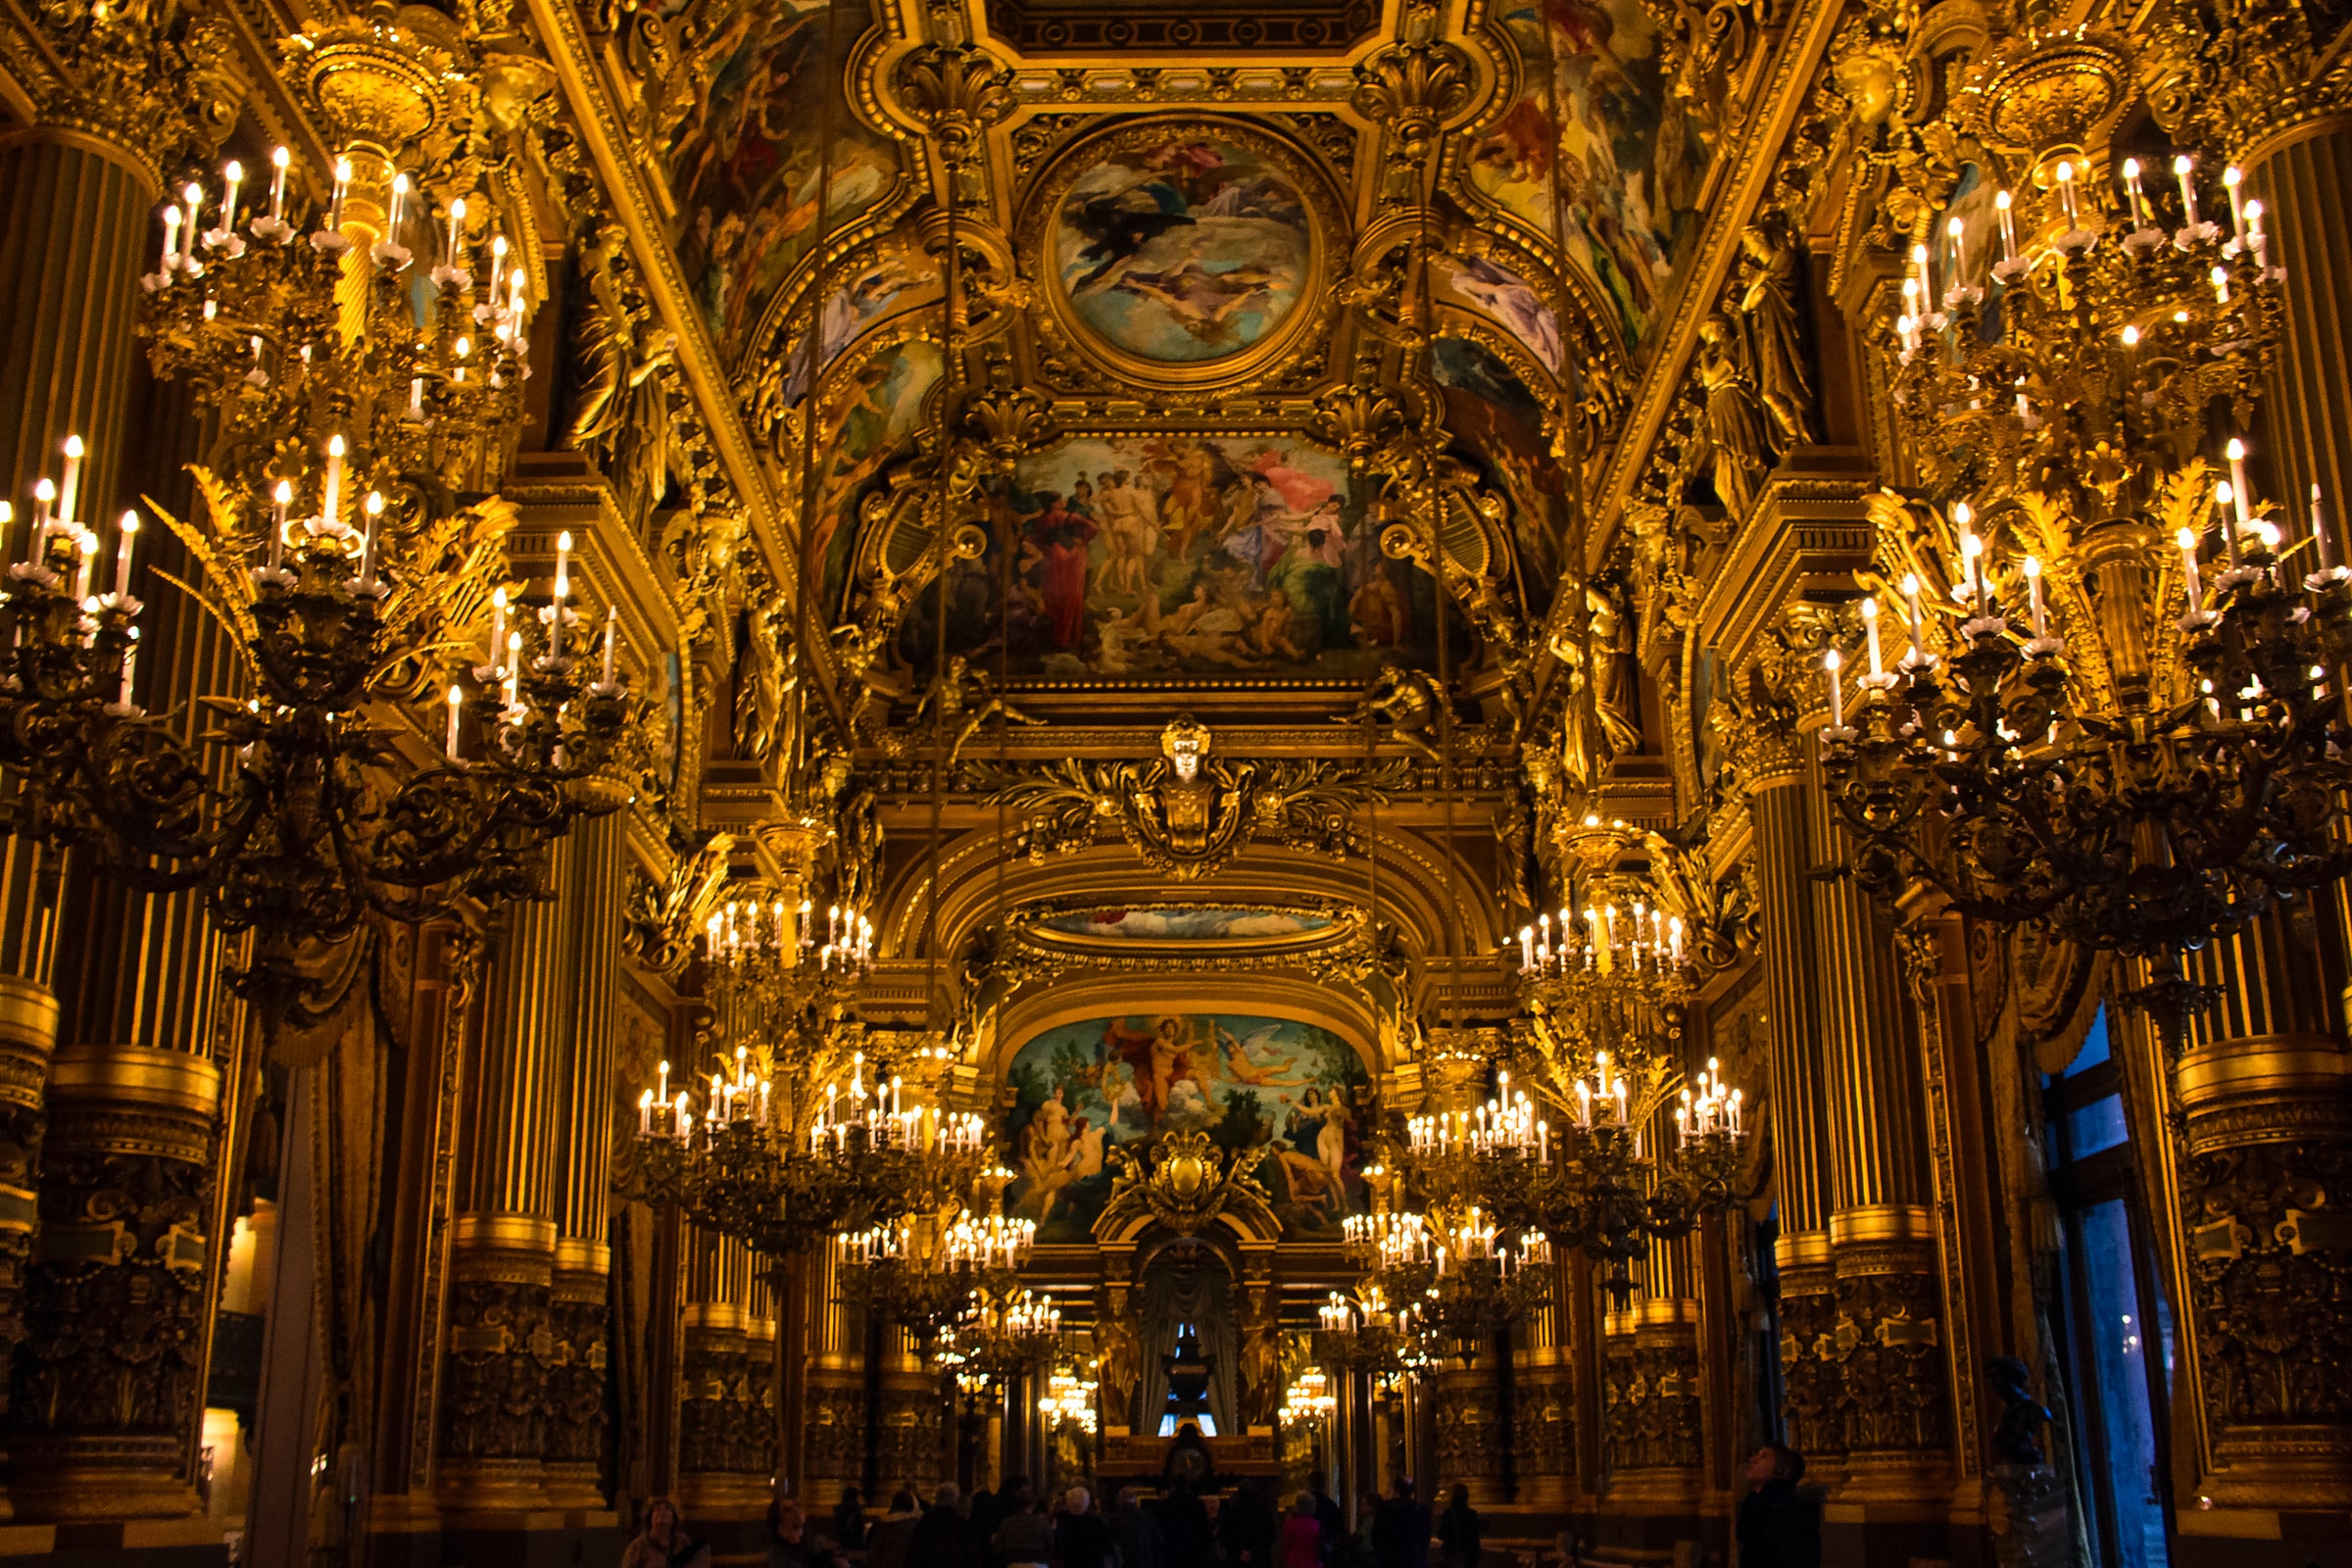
x=2095 y=1126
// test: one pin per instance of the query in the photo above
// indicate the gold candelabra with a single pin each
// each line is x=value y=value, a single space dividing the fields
x=2119 y=701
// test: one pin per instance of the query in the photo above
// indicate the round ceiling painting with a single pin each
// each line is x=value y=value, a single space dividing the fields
x=1181 y=245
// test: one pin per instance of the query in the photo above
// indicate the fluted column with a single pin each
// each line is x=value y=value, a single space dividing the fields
x=726 y=1448
x=832 y=1415
x=1543 y=1409
x=1779 y=805
x=496 y=1404
x=2300 y=173
x=579 y=1304
x=1888 y=1338
x=1654 y=1389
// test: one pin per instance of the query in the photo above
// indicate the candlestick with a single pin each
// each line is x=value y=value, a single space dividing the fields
x=2221 y=285
x=45 y=497
x=456 y=699
x=68 y=495
x=279 y=158
x=283 y=498
x=612 y=631
x=1955 y=231
x=400 y=195
x=2066 y=194
x=230 y=178
x=1870 y=633
x=87 y=552
x=2239 y=493
x=192 y=194
x=2000 y=207
x=2033 y=597
x=332 y=505
x=130 y=660
x=2186 y=540
x=457 y=233
x=128 y=534
x=2230 y=181
x=1919 y=261
x=2318 y=533
x=498 y=630
x=171 y=240
x=1918 y=624
x=2225 y=499
x=342 y=192
x=2183 y=167
x=1829 y=662
x=2140 y=205
x=2255 y=237
x=375 y=510
x=1971 y=551
x=563 y=566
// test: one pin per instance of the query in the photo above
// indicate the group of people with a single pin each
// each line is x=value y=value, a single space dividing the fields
x=1015 y=1527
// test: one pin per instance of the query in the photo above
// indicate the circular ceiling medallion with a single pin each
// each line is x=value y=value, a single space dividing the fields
x=1183 y=251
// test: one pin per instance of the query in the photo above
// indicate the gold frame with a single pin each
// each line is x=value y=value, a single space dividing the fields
x=1058 y=328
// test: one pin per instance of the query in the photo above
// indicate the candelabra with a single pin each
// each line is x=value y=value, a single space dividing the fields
x=769 y=973
x=1366 y=1333
x=774 y=1162
x=1002 y=1334
x=2119 y=708
x=925 y=1270
x=1069 y=1398
x=347 y=540
x=1464 y=1276
x=1307 y=1401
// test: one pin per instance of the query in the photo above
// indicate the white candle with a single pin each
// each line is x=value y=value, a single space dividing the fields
x=277 y=526
x=278 y=160
x=457 y=698
x=2183 y=167
x=400 y=196
x=129 y=533
x=2254 y=234
x=1829 y=662
x=563 y=566
x=1953 y=231
x=230 y=178
x=2066 y=194
x=498 y=631
x=612 y=631
x=2221 y=286
x=44 y=498
x=193 y=195
x=2139 y=205
x=1870 y=631
x=374 y=509
x=87 y=551
x=457 y=233
x=171 y=237
x=514 y=286
x=334 y=211
x=2186 y=539
x=415 y=399
x=1972 y=550
x=1919 y=261
x=130 y=660
x=2033 y=597
x=332 y=505
x=2000 y=205
x=665 y=1094
x=1918 y=624
x=2236 y=453
x=2318 y=533
x=2230 y=181
x=68 y=495
x=2225 y=501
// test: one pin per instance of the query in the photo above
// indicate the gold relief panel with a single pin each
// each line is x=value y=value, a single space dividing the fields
x=1183 y=253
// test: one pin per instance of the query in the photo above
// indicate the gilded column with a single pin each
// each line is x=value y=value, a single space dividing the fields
x=1887 y=1339
x=832 y=1418
x=1773 y=765
x=495 y=1385
x=579 y=1302
x=726 y=1444
x=1543 y=1413
x=1652 y=1388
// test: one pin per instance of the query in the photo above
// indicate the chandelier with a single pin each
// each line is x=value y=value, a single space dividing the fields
x=779 y=1165
x=1069 y=1398
x=1001 y=1335
x=349 y=539
x=1466 y=1276
x=2117 y=704
x=1308 y=1400
x=925 y=1268
x=769 y=973
x=1366 y=1333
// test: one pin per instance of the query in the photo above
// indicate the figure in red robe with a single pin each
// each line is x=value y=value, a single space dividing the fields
x=1062 y=537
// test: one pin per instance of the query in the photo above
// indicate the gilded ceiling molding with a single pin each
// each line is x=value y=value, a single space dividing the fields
x=1755 y=152
x=624 y=182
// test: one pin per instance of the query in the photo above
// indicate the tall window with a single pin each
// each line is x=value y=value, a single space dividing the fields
x=2117 y=1334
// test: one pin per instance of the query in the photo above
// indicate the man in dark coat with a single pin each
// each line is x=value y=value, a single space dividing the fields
x=1400 y=1529
x=1779 y=1526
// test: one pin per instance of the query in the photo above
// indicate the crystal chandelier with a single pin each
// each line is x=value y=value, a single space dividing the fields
x=1466 y=1276
x=1366 y=1333
x=1308 y=1400
x=768 y=972
x=349 y=539
x=2118 y=703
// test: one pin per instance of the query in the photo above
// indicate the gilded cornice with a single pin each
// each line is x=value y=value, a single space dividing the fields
x=633 y=203
x=1755 y=152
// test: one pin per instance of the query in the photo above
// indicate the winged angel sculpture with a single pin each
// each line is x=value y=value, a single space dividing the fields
x=1189 y=813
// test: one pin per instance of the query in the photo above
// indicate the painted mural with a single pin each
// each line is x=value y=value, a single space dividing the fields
x=1506 y=299
x=1620 y=151
x=1081 y=1089
x=887 y=284
x=1185 y=924
x=1140 y=555
x=1492 y=414
x=1184 y=250
x=883 y=398
x=745 y=164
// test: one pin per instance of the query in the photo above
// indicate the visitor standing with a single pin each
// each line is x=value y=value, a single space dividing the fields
x=849 y=1521
x=938 y=1539
x=1184 y=1521
x=1303 y=1543
x=1024 y=1538
x=1458 y=1531
x=1400 y=1529
x=1779 y=1526
x=664 y=1541
x=1085 y=1535
x=887 y=1542
x=1136 y=1532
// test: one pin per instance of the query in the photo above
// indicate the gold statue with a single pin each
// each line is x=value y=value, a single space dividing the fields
x=1733 y=449
x=1767 y=302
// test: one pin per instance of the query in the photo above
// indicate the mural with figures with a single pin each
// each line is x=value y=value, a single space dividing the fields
x=1189 y=924
x=882 y=397
x=1605 y=139
x=1143 y=555
x=1186 y=249
x=1491 y=412
x=747 y=153
x=1082 y=1089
